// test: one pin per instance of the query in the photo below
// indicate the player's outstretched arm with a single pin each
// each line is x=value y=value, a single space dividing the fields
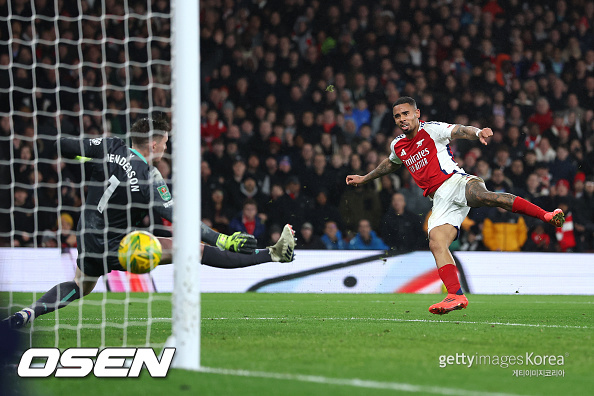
x=81 y=149
x=239 y=242
x=385 y=167
x=471 y=133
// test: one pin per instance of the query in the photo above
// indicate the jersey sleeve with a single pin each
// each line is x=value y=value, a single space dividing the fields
x=393 y=157
x=439 y=131
x=160 y=195
x=91 y=148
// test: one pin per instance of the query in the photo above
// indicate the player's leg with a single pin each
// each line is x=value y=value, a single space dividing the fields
x=440 y=238
x=477 y=195
x=57 y=297
x=282 y=251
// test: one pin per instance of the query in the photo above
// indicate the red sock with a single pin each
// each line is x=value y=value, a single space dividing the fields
x=522 y=206
x=449 y=276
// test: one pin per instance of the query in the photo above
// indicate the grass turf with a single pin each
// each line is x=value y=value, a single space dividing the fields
x=390 y=340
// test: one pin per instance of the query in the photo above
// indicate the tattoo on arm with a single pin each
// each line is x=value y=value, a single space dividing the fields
x=465 y=132
x=384 y=168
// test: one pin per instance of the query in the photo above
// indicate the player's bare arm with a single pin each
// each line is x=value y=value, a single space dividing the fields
x=385 y=167
x=471 y=133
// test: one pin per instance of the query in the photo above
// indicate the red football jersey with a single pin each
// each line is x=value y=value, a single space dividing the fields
x=427 y=156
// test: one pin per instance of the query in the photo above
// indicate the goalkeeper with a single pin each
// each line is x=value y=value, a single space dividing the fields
x=124 y=187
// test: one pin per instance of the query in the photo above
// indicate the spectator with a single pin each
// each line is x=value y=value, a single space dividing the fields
x=304 y=162
x=233 y=184
x=497 y=182
x=67 y=235
x=249 y=189
x=294 y=205
x=361 y=114
x=504 y=231
x=556 y=130
x=472 y=240
x=400 y=229
x=49 y=239
x=212 y=127
x=308 y=240
x=386 y=192
x=544 y=151
x=539 y=241
x=517 y=177
x=285 y=170
x=483 y=170
x=217 y=158
x=366 y=238
x=584 y=219
x=319 y=177
x=565 y=235
x=332 y=237
x=220 y=213
x=272 y=210
x=23 y=213
x=543 y=116
x=252 y=74
x=562 y=166
x=324 y=211
x=533 y=136
x=248 y=221
x=360 y=203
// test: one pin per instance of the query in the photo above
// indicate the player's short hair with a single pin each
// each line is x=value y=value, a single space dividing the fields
x=147 y=128
x=405 y=100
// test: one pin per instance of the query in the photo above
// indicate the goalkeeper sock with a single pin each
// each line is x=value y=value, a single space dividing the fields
x=58 y=297
x=522 y=206
x=449 y=276
x=215 y=257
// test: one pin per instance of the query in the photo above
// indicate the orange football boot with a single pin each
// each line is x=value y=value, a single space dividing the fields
x=556 y=217
x=451 y=303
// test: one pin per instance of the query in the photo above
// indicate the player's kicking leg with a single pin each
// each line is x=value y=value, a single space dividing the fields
x=477 y=196
x=58 y=297
x=440 y=239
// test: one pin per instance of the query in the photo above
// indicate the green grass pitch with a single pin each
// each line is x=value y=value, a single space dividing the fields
x=344 y=344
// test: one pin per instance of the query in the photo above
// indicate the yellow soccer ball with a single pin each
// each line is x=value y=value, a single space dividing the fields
x=139 y=252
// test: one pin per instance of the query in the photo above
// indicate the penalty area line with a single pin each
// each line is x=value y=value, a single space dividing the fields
x=354 y=382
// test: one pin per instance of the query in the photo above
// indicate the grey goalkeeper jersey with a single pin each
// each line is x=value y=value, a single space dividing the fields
x=121 y=190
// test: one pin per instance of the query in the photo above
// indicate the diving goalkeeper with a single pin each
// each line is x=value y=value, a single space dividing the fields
x=124 y=187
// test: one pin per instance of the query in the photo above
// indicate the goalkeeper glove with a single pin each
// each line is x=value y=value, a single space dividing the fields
x=239 y=242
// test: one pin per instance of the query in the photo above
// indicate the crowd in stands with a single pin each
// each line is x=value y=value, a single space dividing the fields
x=296 y=94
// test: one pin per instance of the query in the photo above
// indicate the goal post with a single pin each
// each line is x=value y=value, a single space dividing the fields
x=186 y=176
x=90 y=70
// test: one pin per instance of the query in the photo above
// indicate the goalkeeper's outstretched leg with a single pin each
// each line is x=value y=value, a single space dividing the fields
x=282 y=251
x=64 y=293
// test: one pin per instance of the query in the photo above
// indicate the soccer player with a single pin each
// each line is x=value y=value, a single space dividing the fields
x=424 y=150
x=124 y=187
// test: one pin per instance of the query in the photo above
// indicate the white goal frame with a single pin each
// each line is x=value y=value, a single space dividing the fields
x=186 y=179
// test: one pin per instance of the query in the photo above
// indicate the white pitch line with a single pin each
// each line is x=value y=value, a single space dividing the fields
x=355 y=382
x=416 y=320
x=362 y=319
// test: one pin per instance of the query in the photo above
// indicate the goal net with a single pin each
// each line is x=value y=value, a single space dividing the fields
x=81 y=69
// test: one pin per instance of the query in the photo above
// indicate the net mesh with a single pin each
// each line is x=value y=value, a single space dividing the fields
x=81 y=69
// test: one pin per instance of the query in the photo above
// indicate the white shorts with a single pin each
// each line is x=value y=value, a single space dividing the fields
x=449 y=202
